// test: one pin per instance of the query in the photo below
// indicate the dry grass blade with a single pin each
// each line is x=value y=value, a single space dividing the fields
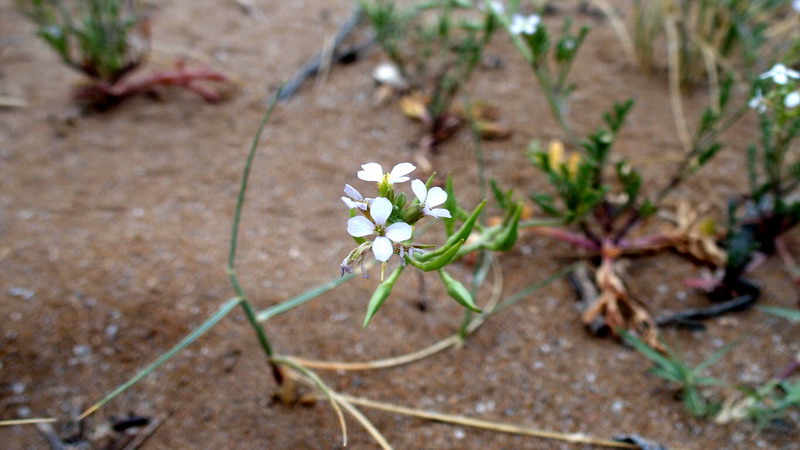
x=675 y=83
x=408 y=358
x=8 y=423
x=575 y=438
x=362 y=419
x=314 y=379
x=619 y=27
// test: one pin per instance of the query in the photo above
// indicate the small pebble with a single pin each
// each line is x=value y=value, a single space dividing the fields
x=459 y=433
x=23 y=293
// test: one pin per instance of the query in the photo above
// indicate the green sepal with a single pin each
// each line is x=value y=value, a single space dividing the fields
x=359 y=240
x=458 y=291
x=381 y=294
x=461 y=235
x=509 y=234
x=442 y=259
x=451 y=205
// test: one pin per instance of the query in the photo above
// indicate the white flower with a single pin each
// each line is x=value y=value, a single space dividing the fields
x=380 y=209
x=430 y=198
x=792 y=100
x=354 y=199
x=796 y=5
x=374 y=172
x=780 y=74
x=496 y=6
x=524 y=25
x=758 y=102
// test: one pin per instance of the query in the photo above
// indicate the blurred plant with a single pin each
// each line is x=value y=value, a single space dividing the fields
x=601 y=203
x=769 y=402
x=758 y=220
x=701 y=36
x=107 y=40
x=763 y=404
x=390 y=217
x=688 y=380
x=434 y=47
x=551 y=60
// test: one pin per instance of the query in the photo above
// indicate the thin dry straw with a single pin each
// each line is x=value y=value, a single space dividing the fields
x=32 y=421
x=575 y=438
x=442 y=345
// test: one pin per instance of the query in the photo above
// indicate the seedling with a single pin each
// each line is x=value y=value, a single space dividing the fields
x=688 y=380
x=107 y=41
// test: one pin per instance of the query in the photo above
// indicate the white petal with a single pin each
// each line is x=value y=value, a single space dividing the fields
x=399 y=171
x=780 y=78
x=380 y=209
x=351 y=192
x=440 y=212
x=360 y=226
x=419 y=190
x=517 y=24
x=350 y=203
x=371 y=172
x=792 y=100
x=382 y=248
x=399 y=231
x=436 y=196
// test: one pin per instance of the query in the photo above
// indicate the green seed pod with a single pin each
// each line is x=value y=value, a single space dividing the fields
x=458 y=291
x=381 y=294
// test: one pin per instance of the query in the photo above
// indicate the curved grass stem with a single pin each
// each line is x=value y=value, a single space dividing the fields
x=237 y=217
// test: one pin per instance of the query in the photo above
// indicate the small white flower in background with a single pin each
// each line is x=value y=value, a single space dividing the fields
x=380 y=209
x=496 y=6
x=354 y=199
x=757 y=102
x=781 y=74
x=524 y=25
x=430 y=198
x=374 y=172
x=796 y=5
x=792 y=100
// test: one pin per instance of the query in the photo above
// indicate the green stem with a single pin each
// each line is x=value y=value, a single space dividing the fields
x=248 y=309
x=196 y=333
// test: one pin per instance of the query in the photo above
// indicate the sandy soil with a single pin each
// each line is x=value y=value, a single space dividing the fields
x=114 y=237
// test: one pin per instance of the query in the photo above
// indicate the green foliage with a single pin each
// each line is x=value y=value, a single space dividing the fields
x=444 y=48
x=689 y=380
x=579 y=183
x=96 y=37
x=709 y=35
x=772 y=206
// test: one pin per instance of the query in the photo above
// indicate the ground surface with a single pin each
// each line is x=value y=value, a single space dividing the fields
x=114 y=229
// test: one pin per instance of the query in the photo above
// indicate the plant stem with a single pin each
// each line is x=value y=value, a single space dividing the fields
x=245 y=304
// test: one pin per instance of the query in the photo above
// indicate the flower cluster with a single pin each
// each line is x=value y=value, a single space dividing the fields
x=386 y=216
x=783 y=86
x=524 y=25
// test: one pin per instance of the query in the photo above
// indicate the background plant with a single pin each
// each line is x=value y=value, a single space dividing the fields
x=104 y=39
x=601 y=199
x=107 y=40
x=700 y=39
x=435 y=46
x=759 y=219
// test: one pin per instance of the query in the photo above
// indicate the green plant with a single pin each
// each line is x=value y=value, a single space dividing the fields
x=107 y=40
x=601 y=200
x=687 y=379
x=435 y=46
x=759 y=219
x=700 y=36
